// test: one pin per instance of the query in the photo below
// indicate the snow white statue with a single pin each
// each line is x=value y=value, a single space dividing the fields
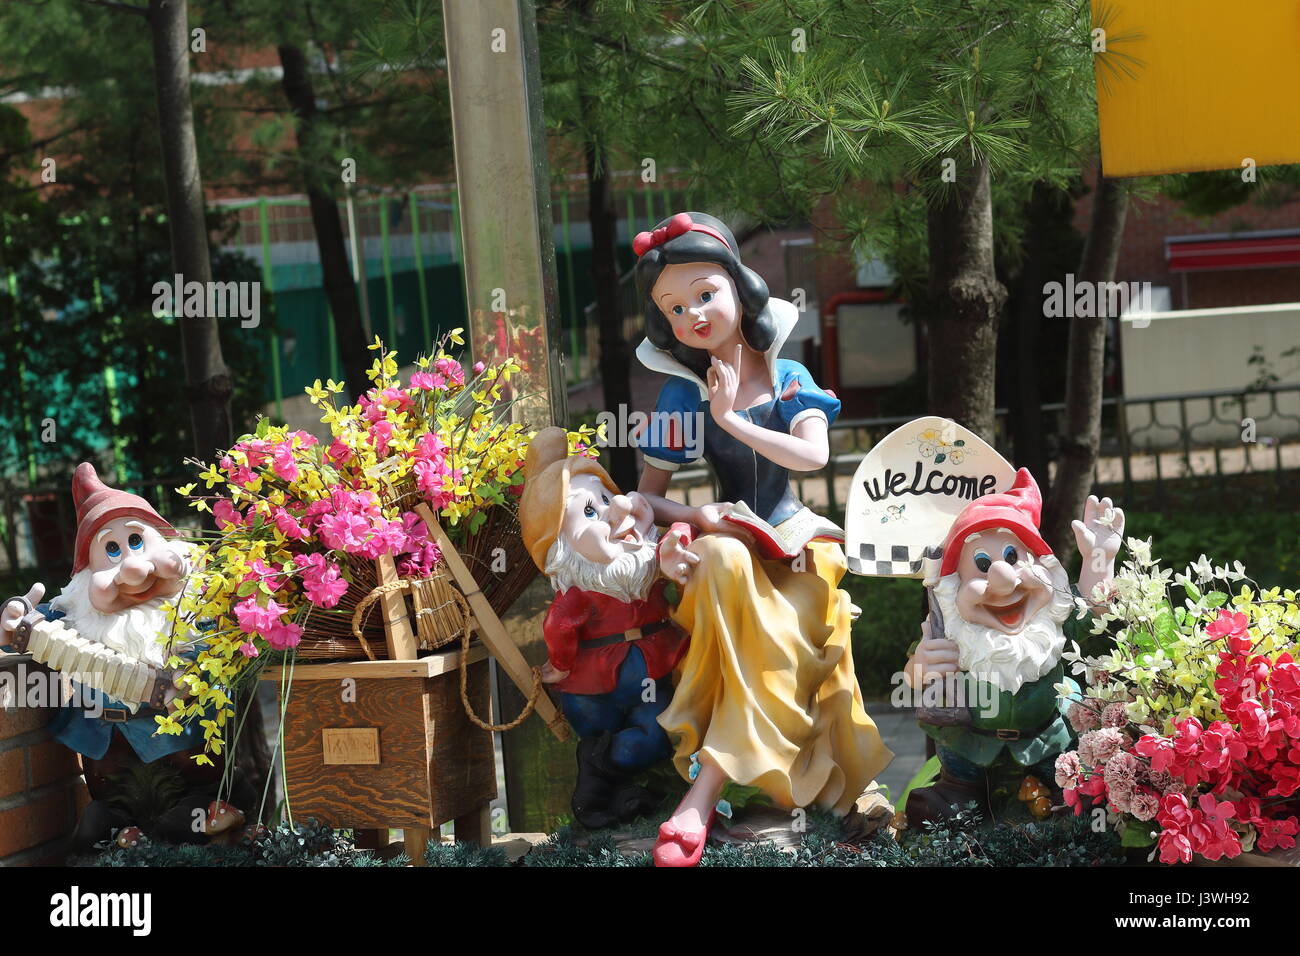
x=766 y=694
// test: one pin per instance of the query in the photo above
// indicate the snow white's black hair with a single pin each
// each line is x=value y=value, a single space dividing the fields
x=757 y=325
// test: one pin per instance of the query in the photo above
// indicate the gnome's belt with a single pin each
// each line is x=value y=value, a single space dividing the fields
x=1005 y=733
x=622 y=637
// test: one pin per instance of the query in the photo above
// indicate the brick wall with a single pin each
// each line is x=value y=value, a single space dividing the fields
x=41 y=790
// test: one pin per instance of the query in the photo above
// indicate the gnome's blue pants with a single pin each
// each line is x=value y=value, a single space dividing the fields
x=638 y=740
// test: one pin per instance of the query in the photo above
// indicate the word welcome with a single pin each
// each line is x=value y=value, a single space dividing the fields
x=677 y=431
x=74 y=908
x=894 y=484
x=209 y=300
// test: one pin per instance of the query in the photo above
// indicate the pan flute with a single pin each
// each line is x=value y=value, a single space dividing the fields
x=91 y=663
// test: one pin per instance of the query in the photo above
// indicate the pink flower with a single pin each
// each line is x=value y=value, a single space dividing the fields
x=1144 y=805
x=322 y=581
x=1098 y=746
x=452 y=369
x=227 y=515
x=288 y=525
x=249 y=649
x=254 y=618
x=343 y=532
x=428 y=381
x=1067 y=769
x=1174 y=847
x=282 y=462
x=478 y=368
x=282 y=637
x=1082 y=717
x=1115 y=715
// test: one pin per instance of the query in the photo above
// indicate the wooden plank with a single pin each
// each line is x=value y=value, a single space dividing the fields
x=442 y=662
x=475 y=826
x=491 y=630
x=402 y=645
x=417 y=840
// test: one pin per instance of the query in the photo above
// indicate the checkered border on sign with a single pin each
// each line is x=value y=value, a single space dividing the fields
x=892 y=561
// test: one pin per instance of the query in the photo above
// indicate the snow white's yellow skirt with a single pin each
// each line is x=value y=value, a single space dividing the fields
x=767 y=688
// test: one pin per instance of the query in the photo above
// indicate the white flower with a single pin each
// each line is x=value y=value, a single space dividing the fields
x=1141 y=551
x=1204 y=571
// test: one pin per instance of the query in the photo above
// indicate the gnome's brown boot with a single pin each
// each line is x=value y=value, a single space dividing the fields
x=943 y=800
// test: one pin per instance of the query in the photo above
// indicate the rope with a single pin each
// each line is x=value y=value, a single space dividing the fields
x=364 y=606
x=405 y=584
x=469 y=708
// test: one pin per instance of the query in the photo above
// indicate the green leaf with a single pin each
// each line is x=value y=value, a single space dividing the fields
x=1192 y=590
x=1166 y=630
x=925 y=777
x=1137 y=833
x=1216 y=599
x=263 y=426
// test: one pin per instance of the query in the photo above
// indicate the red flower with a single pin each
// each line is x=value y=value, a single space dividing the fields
x=1227 y=624
x=1275 y=833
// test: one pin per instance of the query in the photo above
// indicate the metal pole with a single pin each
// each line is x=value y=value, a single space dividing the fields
x=508 y=247
x=358 y=264
x=507 y=232
x=268 y=285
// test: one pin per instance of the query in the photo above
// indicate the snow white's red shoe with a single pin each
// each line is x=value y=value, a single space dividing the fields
x=678 y=847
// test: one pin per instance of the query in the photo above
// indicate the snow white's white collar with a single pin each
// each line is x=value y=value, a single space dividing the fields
x=658 y=360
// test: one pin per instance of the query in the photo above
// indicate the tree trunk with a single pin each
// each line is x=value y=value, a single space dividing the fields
x=207 y=379
x=964 y=299
x=331 y=244
x=614 y=353
x=1084 y=369
x=1026 y=395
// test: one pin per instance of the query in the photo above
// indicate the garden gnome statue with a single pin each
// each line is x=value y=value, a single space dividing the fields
x=126 y=565
x=1000 y=609
x=611 y=644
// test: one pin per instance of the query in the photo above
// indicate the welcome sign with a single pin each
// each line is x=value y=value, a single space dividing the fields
x=908 y=491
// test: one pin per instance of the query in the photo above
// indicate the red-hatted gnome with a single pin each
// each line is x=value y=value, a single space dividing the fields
x=114 y=635
x=1004 y=611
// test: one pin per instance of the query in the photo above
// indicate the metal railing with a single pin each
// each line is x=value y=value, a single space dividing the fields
x=1146 y=442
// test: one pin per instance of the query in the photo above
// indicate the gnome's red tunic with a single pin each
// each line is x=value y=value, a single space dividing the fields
x=577 y=617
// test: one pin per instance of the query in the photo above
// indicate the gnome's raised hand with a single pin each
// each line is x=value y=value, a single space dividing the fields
x=1099 y=536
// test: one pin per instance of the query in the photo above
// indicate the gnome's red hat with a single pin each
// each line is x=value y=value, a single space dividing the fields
x=1018 y=509
x=97 y=504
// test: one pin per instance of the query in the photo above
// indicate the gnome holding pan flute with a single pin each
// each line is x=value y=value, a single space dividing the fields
x=102 y=632
x=933 y=500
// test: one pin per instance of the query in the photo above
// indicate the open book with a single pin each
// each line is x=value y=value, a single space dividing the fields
x=792 y=537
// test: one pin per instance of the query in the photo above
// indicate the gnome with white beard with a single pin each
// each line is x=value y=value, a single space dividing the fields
x=933 y=500
x=127 y=564
x=612 y=645
x=1005 y=604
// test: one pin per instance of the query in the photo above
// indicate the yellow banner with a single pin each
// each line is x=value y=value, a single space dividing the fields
x=1187 y=85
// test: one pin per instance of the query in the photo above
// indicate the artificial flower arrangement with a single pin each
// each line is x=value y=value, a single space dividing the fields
x=300 y=523
x=1189 y=729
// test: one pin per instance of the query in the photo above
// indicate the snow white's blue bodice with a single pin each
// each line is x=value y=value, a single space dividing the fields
x=683 y=430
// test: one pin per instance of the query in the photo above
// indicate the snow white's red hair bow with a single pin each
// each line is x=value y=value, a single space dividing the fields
x=678 y=225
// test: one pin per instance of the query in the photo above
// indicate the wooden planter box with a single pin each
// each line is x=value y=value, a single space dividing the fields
x=373 y=745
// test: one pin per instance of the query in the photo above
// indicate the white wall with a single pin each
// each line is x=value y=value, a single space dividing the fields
x=1201 y=350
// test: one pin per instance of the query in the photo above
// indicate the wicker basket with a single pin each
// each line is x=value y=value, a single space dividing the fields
x=435 y=603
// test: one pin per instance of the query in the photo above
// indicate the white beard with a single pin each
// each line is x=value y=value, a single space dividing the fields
x=627 y=578
x=134 y=632
x=1009 y=661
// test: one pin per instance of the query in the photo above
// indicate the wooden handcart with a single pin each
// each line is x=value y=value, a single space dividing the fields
x=375 y=745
